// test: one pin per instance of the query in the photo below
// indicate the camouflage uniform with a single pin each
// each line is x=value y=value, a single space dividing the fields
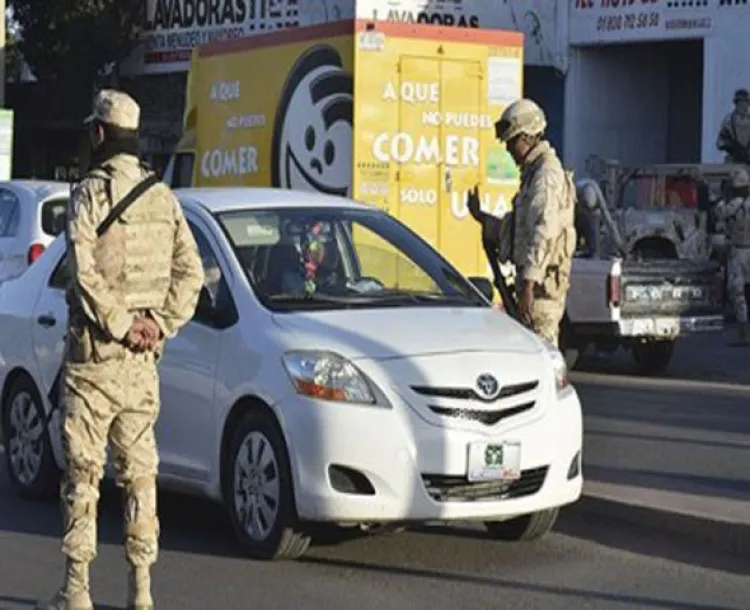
x=146 y=264
x=735 y=216
x=539 y=237
x=734 y=133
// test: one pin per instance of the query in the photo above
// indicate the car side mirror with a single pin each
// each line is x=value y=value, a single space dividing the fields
x=483 y=285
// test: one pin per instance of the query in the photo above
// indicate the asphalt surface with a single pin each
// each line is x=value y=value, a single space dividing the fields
x=659 y=436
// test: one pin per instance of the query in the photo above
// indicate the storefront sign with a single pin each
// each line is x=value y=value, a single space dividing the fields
x=543 y=22
x=595 y=21
x=175 y=27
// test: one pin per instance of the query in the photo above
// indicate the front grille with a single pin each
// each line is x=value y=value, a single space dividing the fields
x=488 y=418
x=459 y=489
x=469 y=394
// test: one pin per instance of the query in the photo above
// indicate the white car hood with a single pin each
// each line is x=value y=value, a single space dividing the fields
x=395 y=333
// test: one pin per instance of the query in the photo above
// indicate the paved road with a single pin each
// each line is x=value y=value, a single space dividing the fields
x=703 y=357
x=598 y=565
x=661 y=435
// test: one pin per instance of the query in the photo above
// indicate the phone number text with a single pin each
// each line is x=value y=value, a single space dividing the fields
x=633 y=21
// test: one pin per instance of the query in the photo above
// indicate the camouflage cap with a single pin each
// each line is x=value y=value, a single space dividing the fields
x=740 y=179
x=115 y=108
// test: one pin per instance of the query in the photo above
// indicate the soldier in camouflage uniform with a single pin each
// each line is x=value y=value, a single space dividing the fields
x=734 y=133
x=131 y=289
x=539 y=235
x=734 y=215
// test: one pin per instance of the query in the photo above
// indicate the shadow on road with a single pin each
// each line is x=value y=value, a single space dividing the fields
x=715 y=487
x=15 y=602
x=696 y=358
x=560 y=592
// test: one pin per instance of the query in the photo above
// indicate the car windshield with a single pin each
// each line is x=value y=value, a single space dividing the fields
x=331 y=258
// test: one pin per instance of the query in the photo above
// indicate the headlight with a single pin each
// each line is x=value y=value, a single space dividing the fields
x=327 y=376
x=559 y=367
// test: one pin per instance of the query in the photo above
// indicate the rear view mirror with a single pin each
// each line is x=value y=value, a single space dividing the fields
x=483 y=285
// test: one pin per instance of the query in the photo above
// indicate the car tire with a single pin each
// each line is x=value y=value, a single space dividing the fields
x=524 y=529
x=29 y=459
x=653 y=357
x=276 y=534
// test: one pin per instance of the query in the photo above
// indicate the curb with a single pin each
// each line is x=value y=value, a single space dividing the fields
x=722 y=535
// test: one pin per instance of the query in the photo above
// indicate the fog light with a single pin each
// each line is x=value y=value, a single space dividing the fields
x=575 y=467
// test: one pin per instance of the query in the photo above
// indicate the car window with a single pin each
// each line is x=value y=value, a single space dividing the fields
x=61 y=275
x=214 y=280
x=10 y=213
x=339 y=257
x=53 y=215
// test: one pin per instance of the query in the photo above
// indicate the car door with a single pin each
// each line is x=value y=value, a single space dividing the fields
x=186 y=427
x=49 y=321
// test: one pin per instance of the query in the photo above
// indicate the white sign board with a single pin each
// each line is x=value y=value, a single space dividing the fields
x=175 y=27
x=543 y=22
x=597 y=21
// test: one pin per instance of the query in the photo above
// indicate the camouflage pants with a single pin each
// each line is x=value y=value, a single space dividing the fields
x=738 y=276
x=113 y=404
x=546 y=315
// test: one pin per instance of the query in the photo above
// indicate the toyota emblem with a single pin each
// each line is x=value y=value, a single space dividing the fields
x=488 y=386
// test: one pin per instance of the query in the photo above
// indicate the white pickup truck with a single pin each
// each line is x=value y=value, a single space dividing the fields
x=641 y=305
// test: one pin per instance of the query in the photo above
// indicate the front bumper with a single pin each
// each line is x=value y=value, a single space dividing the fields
x=372 y=464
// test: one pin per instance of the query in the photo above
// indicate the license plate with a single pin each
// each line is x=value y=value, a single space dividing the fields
x=494 y=461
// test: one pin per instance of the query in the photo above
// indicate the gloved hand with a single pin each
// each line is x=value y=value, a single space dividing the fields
x=473 y=203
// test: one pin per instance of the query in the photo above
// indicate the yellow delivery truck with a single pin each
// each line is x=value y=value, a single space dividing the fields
x=397 y=115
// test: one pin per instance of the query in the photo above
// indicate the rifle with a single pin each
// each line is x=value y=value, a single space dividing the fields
x=131 y=197
x=507 y=293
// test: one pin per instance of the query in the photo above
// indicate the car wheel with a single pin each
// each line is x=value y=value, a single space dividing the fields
x=28 y=453
x=258 y=491
x=527 y=528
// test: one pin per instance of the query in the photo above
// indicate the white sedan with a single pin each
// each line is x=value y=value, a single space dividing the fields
x=338 y=369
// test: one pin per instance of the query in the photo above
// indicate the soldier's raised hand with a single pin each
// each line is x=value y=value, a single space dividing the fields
x=473 y=203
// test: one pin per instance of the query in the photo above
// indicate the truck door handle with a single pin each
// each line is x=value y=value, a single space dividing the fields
x=46 y=321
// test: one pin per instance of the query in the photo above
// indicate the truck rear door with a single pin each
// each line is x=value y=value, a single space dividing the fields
x=446 y=148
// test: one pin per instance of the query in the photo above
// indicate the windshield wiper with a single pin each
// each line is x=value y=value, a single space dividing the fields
x=315 y=297
x=422 y=297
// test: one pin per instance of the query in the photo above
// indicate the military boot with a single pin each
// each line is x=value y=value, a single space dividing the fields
x=74 y=594
x=139 y=589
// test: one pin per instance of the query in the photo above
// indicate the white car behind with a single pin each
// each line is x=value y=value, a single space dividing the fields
x=392 y=394
x=32 y=214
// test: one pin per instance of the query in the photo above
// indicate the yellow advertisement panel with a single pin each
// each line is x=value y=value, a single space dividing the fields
x=426 y=101
x=276 y=110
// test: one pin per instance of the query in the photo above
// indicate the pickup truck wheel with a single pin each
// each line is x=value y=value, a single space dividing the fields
x=653 y=357
x=524 y=529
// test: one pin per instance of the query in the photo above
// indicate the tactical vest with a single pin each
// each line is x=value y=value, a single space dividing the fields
x=135 y=255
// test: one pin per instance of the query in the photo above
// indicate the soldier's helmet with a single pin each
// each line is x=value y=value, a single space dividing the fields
x=741 y=95
x=521 y=117
x=740 y=179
